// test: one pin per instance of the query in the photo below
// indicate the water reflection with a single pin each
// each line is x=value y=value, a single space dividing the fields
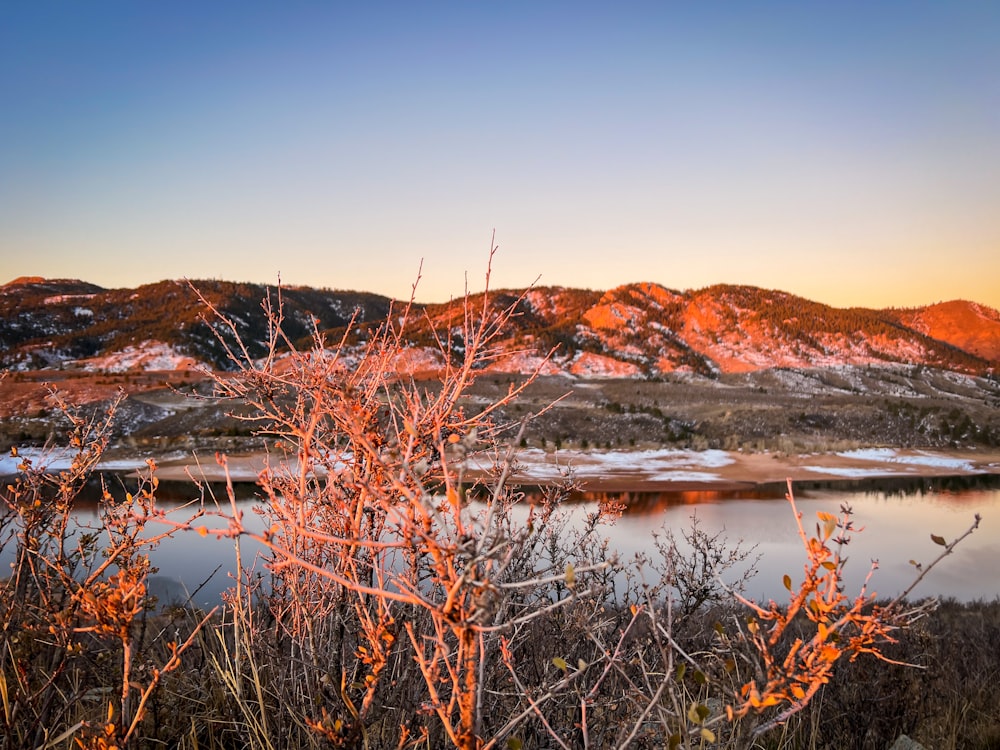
x=898 y=516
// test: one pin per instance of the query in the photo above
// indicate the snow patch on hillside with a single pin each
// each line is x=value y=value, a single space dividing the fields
x=525 y=362
x=414 y=360
x=149 y=355
x=590 y=365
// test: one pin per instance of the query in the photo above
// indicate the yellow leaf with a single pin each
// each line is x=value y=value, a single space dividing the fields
x=570 y=575
x=821 y=632
x=707 y=734
x=560 y=663
x=829 y=523
x=787 y=580
x=697 y=713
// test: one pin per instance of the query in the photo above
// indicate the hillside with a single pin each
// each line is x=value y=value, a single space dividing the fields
x=638 y=330
x=64 y=323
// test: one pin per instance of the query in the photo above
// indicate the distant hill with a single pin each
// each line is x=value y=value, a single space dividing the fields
x=636 y=330
x=51 y=323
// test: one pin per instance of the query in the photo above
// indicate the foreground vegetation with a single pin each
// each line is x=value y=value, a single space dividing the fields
x=401 y=608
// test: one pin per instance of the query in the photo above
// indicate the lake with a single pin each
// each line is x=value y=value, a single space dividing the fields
x=898 y=517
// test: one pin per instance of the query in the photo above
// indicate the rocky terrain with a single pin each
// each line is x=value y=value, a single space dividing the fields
x=633 y=331
x=641 y=366
x=781 y=410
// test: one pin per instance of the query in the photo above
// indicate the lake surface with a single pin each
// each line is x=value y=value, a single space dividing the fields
x=897 y=517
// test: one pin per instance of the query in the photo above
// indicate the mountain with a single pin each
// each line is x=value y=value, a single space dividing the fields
x=636 y=330
x=49 y=323
x=966 y=325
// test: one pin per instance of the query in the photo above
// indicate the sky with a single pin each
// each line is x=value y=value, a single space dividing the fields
x=847 y=152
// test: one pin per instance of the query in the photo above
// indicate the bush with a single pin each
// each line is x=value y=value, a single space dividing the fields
x=408 y=598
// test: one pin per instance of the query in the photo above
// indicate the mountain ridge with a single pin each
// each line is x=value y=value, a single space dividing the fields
x=643 y=329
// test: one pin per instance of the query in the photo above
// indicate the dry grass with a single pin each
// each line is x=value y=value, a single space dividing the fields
x=393 y=612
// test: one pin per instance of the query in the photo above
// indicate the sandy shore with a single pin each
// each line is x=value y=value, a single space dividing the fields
x=665 y=470
x=610 y=471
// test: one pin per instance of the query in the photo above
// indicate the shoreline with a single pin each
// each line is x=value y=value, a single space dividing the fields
x=658 y=470
x=667 y=470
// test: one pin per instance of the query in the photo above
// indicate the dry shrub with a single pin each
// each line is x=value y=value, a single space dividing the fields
x=74 y=662
x=409 y=595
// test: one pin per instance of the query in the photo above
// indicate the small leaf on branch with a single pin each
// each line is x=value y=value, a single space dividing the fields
x=829 y=523
x=697 y=713
x=787 y=580
x=939 y=540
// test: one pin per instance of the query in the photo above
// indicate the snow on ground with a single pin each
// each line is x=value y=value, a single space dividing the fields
x=590 y=365
x=846 y=471
x=60 y=459
x=149 y=355
x=58 y=298
x=417 y=359
x=651 y=465
x=522 y=362
x=918 y=458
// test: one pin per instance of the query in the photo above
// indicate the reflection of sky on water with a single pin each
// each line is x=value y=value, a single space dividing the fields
x=897 y=527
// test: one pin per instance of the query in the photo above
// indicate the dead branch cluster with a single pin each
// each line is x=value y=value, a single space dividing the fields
x=404 y=599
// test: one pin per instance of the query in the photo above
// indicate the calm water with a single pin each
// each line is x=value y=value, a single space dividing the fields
x=897 y=523
x=898 y=518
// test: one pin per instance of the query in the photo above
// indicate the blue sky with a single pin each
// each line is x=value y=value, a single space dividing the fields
x=847 y=152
